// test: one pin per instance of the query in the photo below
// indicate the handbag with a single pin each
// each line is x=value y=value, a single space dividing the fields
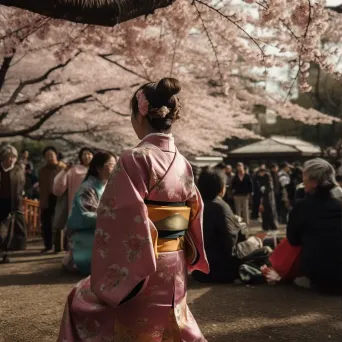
x=13 y=235
x=245 y=248
x=285 y=259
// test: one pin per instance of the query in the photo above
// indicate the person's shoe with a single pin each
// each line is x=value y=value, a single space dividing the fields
x=45 y=250
x=5 y=259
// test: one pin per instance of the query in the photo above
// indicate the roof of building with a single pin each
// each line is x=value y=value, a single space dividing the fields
x=279 y=144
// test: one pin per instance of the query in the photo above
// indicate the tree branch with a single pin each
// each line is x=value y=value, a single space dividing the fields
x=131 y=71
x=4 y=68
x=36 y=80
x=337 y=9
x=45 y=116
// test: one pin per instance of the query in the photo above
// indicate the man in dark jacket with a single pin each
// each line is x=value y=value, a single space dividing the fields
x=242 y=188
x=315 y=225
x=47 y=199
x=264 y=184
x=12 y=181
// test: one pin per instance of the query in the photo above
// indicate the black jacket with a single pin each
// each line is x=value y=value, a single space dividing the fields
x=315 y=223
x=244 y=187
x=221 y=232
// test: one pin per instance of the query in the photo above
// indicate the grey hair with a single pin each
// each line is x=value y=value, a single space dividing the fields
x=322 y=172
x=8 y=150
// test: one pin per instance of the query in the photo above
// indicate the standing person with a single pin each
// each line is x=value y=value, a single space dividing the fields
x=48 y=200
x=82 y=219
x=229 y=198
x=25 y=160
x=31 y=183
x=70 y=178
x=256 y=193
x=267 y=201
x=12 y=181
x=285 y=185
x=296 y=179
x=242 y=187
x=148 y=237
x=276 y=186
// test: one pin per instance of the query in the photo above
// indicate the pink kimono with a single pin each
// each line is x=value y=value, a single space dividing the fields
x=123 y=255
x=71 y=181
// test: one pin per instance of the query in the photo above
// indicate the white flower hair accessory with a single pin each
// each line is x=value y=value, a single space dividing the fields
x=163 y=111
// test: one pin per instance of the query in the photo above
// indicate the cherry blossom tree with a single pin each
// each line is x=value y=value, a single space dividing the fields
x=60 y=79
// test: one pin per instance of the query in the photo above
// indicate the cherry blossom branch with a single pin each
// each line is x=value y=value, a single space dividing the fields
x=53 y=134
x=174 y=53
x=233 y=22
x=133 y=72
x=301 y=50
x=211 y=43
x=109 y=108
x=32 y=81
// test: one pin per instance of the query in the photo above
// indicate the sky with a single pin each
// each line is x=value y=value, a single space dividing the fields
x=334 y=2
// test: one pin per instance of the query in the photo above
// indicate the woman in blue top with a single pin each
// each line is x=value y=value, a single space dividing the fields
x=82 y=220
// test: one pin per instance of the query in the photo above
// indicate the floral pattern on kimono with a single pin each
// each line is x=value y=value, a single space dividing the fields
x=113 y=277
x=134 y=245
x=102 y=239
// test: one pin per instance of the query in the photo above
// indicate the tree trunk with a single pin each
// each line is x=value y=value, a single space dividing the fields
x=4 y=68
x=98 y=12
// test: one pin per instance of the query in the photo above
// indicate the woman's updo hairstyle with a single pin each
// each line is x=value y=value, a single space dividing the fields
x=158 y=102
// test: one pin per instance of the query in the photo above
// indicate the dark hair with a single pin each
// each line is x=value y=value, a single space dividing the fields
x=273 y=165
x=210 y=183
x=50 y=148
x=159 y=95
x=98 y=161
x=24 y=150
x=221 y=166
x=84 y=149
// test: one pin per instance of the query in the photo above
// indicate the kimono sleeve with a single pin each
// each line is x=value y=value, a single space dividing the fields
x=86 y=204
x=60 y=183
x=194 y=236
x=123 y=253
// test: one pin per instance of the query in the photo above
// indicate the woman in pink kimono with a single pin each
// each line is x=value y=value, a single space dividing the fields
x=70 y=178
x=148 y=236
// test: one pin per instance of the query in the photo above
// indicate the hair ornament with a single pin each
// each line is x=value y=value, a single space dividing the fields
x=163 y=111
x=143 y=104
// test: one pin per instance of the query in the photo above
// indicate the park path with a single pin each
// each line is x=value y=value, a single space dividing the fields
x=33 y=290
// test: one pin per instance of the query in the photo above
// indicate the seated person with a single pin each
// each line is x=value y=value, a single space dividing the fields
x=82 y=220
x=220 y=228
x=315 y=226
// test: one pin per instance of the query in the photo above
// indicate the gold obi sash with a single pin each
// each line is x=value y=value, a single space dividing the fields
x=169 y=218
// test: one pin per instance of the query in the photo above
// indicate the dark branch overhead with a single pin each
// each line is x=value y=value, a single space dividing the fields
x=337 y=9
x=96 y=12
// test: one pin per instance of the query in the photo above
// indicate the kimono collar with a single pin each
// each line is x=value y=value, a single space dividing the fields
x=165 y=142
x=8 y=169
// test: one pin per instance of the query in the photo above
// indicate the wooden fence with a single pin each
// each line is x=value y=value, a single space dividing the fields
x=32 y=217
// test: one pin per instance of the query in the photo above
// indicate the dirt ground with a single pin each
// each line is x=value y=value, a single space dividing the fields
x=33 y=290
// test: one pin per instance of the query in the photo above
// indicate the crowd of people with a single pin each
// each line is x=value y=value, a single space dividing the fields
x=138 y=225
x=265 y=193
